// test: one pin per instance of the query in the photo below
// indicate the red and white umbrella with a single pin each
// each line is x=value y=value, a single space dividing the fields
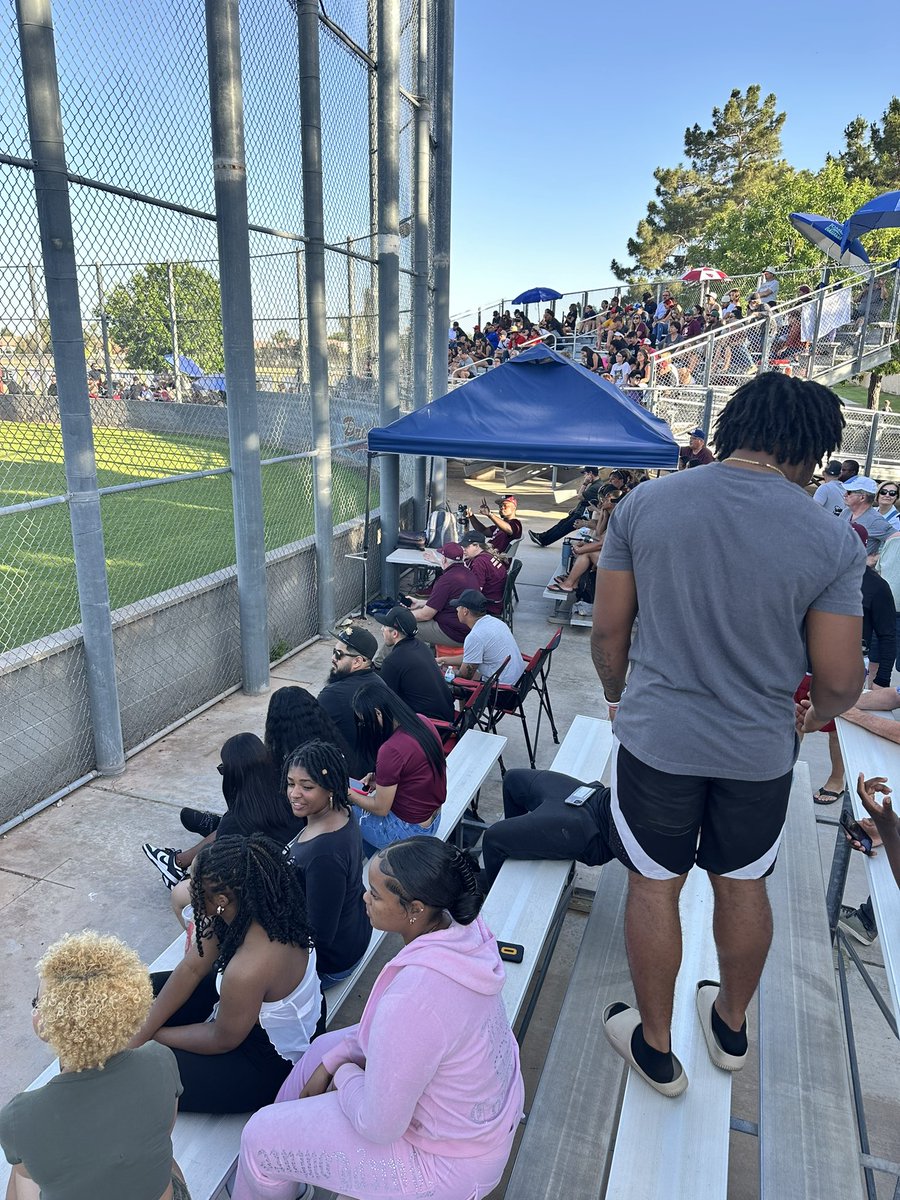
x=702 y=275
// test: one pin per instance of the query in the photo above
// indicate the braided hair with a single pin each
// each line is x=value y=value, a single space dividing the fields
x=436 y=874
x=325 y=765
x=266 y=890
x=796 y=420
x=295 y=716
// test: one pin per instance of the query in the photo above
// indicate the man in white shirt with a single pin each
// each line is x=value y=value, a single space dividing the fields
x=488 y=642
x=767 y=292
x=830 y=494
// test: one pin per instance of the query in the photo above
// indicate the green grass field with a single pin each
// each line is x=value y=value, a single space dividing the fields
x=156 y=538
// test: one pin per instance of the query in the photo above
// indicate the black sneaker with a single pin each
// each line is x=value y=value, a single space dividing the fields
x=534 y=537
x=852 y=921
x=197 y=820
x=163 y=858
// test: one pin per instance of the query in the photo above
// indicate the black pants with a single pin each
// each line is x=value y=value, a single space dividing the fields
x=561 y=528
x=240 y=1080
x=539 y=825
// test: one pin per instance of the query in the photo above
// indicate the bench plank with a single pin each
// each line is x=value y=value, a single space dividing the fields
x=807 y=1130
x=585 y=749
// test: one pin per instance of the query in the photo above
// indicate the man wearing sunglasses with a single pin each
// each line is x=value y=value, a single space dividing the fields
x=351 y=667
x=860 y=493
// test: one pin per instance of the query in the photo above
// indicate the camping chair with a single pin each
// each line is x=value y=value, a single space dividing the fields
x=510 y=701
x=541 y=684
x=473 y=712
x=509 y=591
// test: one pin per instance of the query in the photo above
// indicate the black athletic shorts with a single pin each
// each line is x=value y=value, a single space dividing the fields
x=663 y=824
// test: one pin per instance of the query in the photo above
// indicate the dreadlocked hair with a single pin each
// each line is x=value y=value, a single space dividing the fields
x=434 y=873
x=265 y=888
x=295 y=716
x=325 y=765
x=796 y=420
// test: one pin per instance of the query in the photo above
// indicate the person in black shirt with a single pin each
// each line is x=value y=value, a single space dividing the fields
x=590 y=489
x=351 y=668
x=409 y=667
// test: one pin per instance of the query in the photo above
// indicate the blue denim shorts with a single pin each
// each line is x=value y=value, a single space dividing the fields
x=378 y=832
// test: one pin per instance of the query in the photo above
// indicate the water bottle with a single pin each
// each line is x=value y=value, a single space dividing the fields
x=449 y=675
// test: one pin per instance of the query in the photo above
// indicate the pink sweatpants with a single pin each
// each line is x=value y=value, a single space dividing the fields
x=311 y=1141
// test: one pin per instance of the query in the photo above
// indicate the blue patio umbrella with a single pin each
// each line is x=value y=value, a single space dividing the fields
x=826 y=235
x=209 y=383
x=186 y=365
x=881 y=213
x=537 y=296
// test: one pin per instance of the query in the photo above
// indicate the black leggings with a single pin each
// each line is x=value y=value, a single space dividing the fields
x=240 y=1080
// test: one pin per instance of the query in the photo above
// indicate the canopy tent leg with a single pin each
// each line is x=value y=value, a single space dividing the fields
x=365 y=545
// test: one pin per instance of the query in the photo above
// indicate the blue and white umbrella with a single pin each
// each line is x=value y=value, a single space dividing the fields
x=827 y=235
x=537 y=296
x=881 y=213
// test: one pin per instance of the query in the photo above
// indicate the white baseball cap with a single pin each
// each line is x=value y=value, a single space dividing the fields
x=861 y=483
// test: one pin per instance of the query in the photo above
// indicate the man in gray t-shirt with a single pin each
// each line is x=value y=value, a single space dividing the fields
x=728 y=611
x=830 y=493
x=489 y=641
x=860 y=500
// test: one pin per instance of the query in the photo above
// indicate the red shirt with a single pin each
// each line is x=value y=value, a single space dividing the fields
x=491 y=579
x=420 y=789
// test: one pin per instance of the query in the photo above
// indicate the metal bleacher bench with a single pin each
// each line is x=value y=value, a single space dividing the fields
x=595 y=1131
x=206 y=1146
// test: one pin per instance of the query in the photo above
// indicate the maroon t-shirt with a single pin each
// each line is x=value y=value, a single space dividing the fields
x=451 y=583
x=500 y=539
x=491 y=579
x=420 y=789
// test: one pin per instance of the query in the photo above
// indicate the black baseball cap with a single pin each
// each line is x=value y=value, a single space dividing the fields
x=473 y=536
x=593 y=470
x=399 y=618
x=473 y=600
x=834 y=468
x=359 y=640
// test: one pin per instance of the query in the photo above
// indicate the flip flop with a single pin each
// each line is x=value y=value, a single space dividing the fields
x=707 y=990
x=555 y=587
x=619 y=1027
x=817 y=796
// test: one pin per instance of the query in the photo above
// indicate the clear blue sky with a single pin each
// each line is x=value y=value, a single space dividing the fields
x=562 y=111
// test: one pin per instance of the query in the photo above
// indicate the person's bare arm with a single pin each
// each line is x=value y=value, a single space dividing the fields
x=879 y=700
x=833 y=642
x=423 y=612
x=884 y=727
x=468 y=670
x=243 y=989
x=882 y=817
x=378 y=802
x=615 y=607
x=178 y=988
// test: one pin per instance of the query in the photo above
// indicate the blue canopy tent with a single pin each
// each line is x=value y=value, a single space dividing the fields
x=538 y=408
x=186 y=365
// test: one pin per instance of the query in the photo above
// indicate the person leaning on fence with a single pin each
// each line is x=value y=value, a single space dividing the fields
x=685 y=790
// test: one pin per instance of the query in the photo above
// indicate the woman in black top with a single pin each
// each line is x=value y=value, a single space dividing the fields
x=327 y=855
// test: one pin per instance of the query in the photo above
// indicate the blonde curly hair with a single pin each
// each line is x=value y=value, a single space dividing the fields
x=95 y=994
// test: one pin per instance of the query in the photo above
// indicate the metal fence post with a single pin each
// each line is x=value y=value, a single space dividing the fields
x=388 y=86
x=865 y=325
x=351 y=304
x=420 y=246
x=443 y=66
x=872 y=443
x=706 y=419
x=104 y=329
x=314 y=228
x=302 y=337
x=766 y=346
x=895 y=299
x=41 y=84
x=223 y=48
x=815 y=342
x=173 y=328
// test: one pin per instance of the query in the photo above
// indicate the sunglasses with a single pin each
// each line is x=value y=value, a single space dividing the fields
x=886 y=492
x=339 y=654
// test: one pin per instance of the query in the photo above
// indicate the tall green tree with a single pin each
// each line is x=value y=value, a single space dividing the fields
x=725 y=163
x=139 y=317
x=872 y=150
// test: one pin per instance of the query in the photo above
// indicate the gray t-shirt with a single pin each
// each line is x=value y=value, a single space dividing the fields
x=487 y=643
x=876 y=527
x=726 y=563
x=831 y=496
x=98 y=1134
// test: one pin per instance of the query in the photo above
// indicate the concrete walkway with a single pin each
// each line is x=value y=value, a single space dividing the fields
x=79 y=864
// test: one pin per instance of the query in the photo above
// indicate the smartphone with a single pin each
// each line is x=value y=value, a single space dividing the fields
x=510 y=952
x=579 y=796
x=856 y=831
x=357 y=785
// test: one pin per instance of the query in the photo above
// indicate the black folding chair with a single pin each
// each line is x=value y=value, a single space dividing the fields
x=474 y=712
x=509 y=591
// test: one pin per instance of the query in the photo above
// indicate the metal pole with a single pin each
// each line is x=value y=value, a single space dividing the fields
x=443 y=55
x=316 y=323
x=389 y=271
x=104 y=328
x=872 y=442
x=302 y=343
x=41 y=83
x=173 y=328
x=815 y=342
x=420 y=328
x=895 y=297
x=351 y=288
x=865 y=324
x=223 y=48
x=706 y=419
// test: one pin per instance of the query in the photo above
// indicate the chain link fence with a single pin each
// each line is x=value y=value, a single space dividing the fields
x=135 y=106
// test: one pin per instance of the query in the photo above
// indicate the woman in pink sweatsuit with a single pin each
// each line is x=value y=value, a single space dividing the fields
x=423 y=1096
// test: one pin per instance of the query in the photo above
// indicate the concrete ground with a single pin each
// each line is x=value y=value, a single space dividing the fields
x=79 y=864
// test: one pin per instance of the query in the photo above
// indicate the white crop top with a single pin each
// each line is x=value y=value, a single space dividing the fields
x=291 y=1022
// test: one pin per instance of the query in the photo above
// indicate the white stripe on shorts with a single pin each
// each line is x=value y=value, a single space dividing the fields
x=644 y=864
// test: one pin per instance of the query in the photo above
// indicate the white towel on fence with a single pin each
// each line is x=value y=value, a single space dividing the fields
x=835 y=313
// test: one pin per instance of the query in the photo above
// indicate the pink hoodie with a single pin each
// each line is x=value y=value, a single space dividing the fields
x=441 y=1063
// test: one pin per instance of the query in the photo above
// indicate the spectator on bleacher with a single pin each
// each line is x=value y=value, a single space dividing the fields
x=587 y=554
x=488 y=643
x=242 y=1005
x=686 y=792
x=328 y=858
x=590 y=488
x=589 y=319
x=767 y=292
x=488 y=571
x=886 y=503
x=592 y=360
x=859 y=494
x=666 y=373
x=464 y=367
x=254 y=801
x=436 y=615
x=639 y=375
x=849 y=469
x=551 y=325
x=570 y=320
x=405 y=792
x=427 y=1087
x=351 y=668
x=621 y=369
x=732 y=306
x=507 y=526
x=695 y=325
x=696 y=453
x=409 y=668
x=295 y=716
x=102 y=1127
x=830 y=492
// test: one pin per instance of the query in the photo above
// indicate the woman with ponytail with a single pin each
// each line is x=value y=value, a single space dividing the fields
x=243 y=1004
x=424 y=1095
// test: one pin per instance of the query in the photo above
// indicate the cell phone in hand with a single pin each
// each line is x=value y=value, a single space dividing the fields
x=578 y=797
x=357 y=785
x=854 y=830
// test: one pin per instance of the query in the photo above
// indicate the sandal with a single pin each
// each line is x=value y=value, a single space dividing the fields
x=832 y=796
x=557 y=587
